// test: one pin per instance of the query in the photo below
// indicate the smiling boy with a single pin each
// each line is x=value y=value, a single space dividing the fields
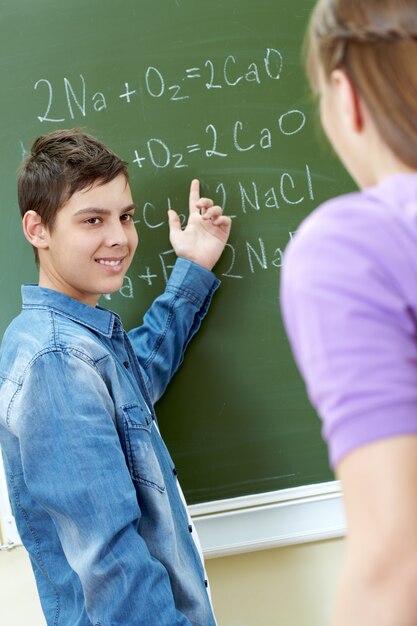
x=93 y=488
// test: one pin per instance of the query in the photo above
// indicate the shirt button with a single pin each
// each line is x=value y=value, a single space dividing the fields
x=174 y=471
x=126 y=364
x=190 y=528
x=206 y=583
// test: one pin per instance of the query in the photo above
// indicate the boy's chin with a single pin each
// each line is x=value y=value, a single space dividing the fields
x=125 y=289
x=122 y=286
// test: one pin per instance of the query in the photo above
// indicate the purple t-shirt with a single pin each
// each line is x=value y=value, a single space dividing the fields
x=349 y=302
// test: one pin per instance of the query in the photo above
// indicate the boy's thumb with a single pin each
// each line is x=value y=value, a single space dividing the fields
x=174 y=220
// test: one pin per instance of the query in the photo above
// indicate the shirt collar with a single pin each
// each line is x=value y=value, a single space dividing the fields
x=96 y=318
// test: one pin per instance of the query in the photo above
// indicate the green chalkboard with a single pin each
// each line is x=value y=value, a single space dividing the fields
x=183 y=89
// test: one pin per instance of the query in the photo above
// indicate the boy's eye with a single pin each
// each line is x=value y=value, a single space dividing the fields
x=127 y=217
x=93 y=220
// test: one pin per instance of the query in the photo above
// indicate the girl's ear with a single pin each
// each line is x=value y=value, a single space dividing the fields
x=351 y=105
x=34 y=231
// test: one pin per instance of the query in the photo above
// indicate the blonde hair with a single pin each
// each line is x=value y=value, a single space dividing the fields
x=375 y=42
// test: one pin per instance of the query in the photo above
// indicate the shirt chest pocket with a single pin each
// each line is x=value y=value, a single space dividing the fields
x=143 y=463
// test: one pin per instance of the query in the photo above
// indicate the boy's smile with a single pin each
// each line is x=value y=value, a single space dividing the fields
x=89 y=249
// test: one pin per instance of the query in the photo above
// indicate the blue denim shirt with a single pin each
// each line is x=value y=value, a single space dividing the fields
x=93 y=487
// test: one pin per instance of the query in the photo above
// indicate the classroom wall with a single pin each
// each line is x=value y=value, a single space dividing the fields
x=292 y=586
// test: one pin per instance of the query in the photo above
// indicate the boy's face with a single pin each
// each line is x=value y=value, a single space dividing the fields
x=91 y=244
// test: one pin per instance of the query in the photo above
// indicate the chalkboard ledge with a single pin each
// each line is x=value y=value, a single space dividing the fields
x=269 y=520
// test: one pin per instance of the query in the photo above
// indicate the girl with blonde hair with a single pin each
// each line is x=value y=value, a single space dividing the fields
x=349 y=297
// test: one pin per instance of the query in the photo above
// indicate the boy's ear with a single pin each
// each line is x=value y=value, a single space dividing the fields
x=34 y=231
x=351 y=105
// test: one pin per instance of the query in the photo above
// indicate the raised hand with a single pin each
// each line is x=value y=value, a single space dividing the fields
x=206 y=233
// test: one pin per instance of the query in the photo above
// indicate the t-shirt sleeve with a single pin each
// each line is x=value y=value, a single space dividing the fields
x=351 y=328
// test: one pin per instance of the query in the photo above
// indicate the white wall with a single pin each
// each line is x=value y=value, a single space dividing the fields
x=19 y=604
x=291 y=586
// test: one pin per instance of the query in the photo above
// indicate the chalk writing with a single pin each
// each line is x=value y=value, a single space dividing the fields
x=158 y=154
x=227 y=74
x=218 y=76
x=73 y=98
x=210 y=140
x=292 y=189
x=251 y=257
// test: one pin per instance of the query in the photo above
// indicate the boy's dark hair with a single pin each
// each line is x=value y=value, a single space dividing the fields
x=59 y=164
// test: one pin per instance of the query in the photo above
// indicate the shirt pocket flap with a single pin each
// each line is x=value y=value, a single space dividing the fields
x=143 y=462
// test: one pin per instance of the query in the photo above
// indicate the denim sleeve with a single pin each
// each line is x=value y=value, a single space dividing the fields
x=168 y=326
x=75 y=469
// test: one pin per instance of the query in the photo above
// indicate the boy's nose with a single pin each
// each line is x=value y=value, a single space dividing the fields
x=117 y=236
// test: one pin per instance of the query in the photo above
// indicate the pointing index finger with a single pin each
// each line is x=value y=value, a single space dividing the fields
x=194 y=195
